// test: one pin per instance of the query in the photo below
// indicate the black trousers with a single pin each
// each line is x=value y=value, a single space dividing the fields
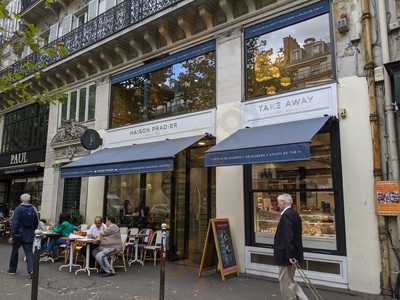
x=14 y=256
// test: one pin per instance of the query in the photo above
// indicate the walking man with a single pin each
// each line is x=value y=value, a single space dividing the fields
x=288 y=248
x=23 y=225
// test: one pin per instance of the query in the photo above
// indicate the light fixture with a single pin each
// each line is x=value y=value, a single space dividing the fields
x=202 y=143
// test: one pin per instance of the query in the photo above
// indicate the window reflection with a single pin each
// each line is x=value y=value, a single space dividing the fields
x=310 y=184
x=181 y=88
x=294 y=57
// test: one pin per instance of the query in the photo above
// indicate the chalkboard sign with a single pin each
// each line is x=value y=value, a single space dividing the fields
x=219 y=241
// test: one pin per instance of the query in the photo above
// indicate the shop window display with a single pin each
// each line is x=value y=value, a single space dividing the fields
x=294 y=57
x=140 y=200
x=310 y=183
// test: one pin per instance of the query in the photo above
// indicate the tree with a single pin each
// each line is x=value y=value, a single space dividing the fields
x=14 y=88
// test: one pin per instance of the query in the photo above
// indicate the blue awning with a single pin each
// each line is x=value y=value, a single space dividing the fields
x=140 y=158
x=274 y=143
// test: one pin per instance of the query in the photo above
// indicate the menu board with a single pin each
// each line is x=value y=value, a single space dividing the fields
x=219 y=241
x=387 y=197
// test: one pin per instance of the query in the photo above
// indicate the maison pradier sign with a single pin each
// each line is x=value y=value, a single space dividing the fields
x=169 y=128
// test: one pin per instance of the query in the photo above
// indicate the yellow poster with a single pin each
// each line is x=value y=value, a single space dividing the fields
x=387 y=197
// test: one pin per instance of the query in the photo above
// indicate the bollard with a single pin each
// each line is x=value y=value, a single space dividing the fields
x=36 y=257
x=162 y=260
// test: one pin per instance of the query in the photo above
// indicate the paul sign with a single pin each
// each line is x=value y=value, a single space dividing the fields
x=18 y=159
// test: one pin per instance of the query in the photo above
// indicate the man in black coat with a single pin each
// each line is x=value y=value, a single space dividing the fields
x=288 y=248
x=23 y=225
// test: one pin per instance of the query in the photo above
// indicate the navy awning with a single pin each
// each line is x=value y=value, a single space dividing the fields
x=274 y=143
x=140 y=158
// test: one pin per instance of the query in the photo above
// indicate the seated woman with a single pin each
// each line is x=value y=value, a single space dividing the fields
x=64 y=229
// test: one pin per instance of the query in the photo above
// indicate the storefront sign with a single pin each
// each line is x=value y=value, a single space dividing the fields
x=279 y=153
x=177 y=127
x=15 y=171
x=22 y=158
x=91 y=139
x=387 y=197
x=300 y=105
x=18 y=159
x=219 y=243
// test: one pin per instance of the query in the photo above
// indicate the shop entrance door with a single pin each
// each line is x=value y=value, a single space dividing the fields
x=194 y=205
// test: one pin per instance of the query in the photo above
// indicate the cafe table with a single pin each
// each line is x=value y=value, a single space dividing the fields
x=70 y=265
x=87 y=268
x=136 y=259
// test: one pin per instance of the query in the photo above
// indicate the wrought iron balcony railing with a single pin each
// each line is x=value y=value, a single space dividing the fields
x=119 y=17
x=26 y=4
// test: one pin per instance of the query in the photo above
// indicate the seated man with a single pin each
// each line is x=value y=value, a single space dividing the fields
x=110 y=243
x=94 y=233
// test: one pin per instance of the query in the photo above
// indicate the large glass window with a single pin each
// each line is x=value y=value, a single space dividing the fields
x=184 y=87
x=25 y=129
x=78 y=105
x=293 y=57
x=311 y=185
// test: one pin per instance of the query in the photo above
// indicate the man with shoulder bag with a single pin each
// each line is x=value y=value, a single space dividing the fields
x=23 y=225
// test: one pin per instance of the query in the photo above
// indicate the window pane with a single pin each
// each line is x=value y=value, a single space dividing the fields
x=158 y=195
x=26 y=131
x=317 y=210
x=294 y=57
x=92 y=102
x=82 y=104
x=314 y=173
x=72 y=107
x=123 y=199
x=181 y=88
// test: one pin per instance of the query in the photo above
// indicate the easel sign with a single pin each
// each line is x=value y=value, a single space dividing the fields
x=219 y=241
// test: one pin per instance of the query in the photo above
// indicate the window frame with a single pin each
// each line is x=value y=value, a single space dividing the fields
x=250 y=240
x=246 y=98
x=146 y=75
x=35 y=138
x=77 y=112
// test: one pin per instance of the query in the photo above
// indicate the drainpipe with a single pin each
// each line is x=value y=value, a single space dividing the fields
x=389 y=108
x=394 y=167
x=375 y=137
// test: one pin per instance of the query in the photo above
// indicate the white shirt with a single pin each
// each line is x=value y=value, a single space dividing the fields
x=285 y=209
x=94 y=231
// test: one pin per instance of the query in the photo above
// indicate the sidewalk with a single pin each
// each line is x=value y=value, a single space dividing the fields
x=141 y=283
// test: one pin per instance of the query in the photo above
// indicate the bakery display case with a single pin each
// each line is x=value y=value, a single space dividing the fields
x=316 y=211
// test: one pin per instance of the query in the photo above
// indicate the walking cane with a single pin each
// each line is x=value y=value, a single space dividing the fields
x=308 y=282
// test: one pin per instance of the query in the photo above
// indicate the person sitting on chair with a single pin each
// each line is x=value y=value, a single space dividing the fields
x=110 y=243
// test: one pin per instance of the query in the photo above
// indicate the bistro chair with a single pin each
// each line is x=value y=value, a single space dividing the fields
x=131 y=240
x=120 y=254
x=154 y=245
x=146 y=239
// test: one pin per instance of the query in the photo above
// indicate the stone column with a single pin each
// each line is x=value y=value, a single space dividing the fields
x=229 y=180
x=51 y=180
x=96 y=185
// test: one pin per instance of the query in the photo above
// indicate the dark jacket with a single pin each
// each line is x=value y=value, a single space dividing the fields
x=24 y=223
x=288 y=238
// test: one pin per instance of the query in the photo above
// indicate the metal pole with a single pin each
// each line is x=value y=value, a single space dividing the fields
x=162 y=260
x=36 y=257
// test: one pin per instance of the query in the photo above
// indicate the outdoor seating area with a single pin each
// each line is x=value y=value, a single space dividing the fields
x=76 y=250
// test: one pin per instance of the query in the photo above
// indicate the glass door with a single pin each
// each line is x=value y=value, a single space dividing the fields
x=199 y=205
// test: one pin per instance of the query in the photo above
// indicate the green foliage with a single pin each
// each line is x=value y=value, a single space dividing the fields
x=14 y=86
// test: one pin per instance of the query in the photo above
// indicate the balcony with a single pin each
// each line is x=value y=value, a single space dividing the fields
x=132 y=32
x=121 y=16
x=27 y=4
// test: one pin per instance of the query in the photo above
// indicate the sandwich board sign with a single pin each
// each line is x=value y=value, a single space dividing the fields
x=218 y=249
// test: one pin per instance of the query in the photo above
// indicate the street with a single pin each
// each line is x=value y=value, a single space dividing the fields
x=141 y=283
